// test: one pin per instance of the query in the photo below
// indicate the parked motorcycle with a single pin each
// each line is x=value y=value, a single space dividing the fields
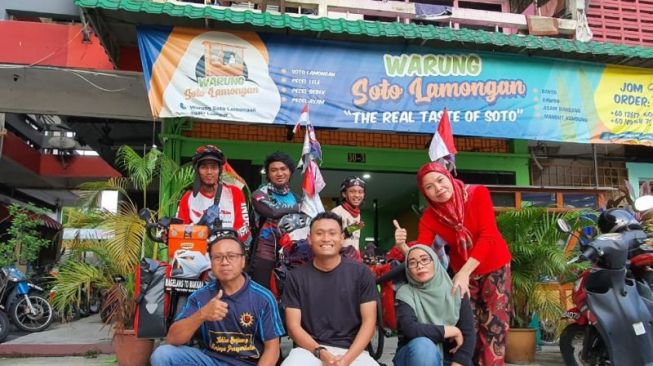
x=613 y=313
x=28 y=310
x=4 y=324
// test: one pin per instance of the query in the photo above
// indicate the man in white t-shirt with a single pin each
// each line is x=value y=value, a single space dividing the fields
x=352 y=191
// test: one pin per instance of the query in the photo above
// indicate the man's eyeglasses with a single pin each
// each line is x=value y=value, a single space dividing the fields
x=229 y=256
x=414 y=263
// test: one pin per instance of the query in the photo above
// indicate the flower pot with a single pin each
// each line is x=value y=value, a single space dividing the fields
x=130 y=350
x=520 y=346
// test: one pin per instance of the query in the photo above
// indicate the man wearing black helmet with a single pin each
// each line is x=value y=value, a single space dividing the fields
x=208 y=190
x=352 y=191
x=271 y=202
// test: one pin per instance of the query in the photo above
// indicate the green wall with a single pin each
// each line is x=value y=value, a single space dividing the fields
x=377 y=159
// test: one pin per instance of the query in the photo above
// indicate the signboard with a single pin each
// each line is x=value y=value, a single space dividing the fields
x=263 y=78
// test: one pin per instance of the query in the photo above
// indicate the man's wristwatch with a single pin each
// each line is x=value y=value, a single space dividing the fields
x=317 y=350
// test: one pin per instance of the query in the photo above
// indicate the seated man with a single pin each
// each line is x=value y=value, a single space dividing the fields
x=330 y=302
x=208 y=190
x=238 y=319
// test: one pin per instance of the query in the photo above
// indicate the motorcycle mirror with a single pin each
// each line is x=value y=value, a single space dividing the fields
x=145 y=214
x=563 y=226
x=573 y=260
x=644 y=203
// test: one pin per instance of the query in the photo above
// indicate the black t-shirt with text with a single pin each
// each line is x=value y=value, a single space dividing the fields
x=330 y=301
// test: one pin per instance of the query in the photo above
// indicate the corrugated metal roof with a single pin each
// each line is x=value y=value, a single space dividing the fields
x=556 y=47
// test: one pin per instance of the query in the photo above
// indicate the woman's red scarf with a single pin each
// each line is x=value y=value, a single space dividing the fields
x=452 y=212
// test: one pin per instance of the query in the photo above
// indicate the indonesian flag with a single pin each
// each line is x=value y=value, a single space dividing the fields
x=230 y=176
x=442 y=143
x=313 y=182
x=303 y=119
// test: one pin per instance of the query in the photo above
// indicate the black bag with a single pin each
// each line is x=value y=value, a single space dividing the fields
x=152 y=301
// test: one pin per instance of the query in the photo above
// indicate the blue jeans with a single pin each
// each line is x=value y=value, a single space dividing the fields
x=420 y=351
x=167 y=355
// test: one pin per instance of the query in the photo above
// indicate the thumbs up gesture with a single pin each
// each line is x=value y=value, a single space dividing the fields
x=401 y=236
x=214 y=310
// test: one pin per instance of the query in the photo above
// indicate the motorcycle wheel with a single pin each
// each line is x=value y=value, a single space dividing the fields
x=25 y=320
x=571 y=344
x=4 y=326
x=375 y=348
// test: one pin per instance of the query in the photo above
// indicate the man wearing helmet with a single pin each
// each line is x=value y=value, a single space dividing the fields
x=271 y=202
x=209 y=190
x=352 y=191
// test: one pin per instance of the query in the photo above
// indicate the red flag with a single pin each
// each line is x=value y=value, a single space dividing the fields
x=308 y=185
x=442 y=142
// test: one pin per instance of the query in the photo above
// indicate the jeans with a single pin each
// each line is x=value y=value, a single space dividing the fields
x=167 y=355
x=420 y=351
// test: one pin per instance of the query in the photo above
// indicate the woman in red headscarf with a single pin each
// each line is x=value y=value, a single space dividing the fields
x=462 y=217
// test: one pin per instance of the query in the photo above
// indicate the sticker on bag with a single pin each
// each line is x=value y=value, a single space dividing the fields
x=639 y=328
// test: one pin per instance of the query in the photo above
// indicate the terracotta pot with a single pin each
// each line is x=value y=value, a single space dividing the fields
x=132 y=351
x=520 y=346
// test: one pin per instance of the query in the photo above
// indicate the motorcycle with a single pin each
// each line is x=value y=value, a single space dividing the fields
x=187 y=244
x=4 y=324
x=613 y=313
x=28 y=310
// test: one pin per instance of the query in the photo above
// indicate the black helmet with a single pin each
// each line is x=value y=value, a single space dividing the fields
x=350 y=182
x=616 y=220
x=208 y=152
x=281 y=157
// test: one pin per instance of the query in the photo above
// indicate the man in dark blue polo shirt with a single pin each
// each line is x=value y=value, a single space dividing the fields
x=238 y=319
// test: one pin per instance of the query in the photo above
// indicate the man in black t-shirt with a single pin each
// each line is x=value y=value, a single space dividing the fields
x=330 y=303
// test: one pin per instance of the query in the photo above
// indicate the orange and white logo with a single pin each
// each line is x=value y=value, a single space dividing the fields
x=246 y=319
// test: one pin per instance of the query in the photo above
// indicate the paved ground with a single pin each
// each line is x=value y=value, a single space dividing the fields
x=88 y=337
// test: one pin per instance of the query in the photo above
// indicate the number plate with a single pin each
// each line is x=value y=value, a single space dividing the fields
x=183 y=285
x=571 y=315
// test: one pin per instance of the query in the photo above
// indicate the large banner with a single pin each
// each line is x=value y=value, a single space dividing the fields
x=264 y=78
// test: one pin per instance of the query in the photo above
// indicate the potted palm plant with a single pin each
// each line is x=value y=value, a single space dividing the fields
x=537 y=256
x=112 y=271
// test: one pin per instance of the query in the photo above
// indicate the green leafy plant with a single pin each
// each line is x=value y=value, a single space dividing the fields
x=22 y=241
x=537 y=256
x=112 y=269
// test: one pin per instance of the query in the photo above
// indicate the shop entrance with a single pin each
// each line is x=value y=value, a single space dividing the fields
x=388 y=196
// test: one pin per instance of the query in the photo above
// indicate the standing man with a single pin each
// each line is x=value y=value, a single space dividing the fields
x=271 y=202
x=208 y=190
x=238 y=319
x=352 y=192
x=330 y=302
